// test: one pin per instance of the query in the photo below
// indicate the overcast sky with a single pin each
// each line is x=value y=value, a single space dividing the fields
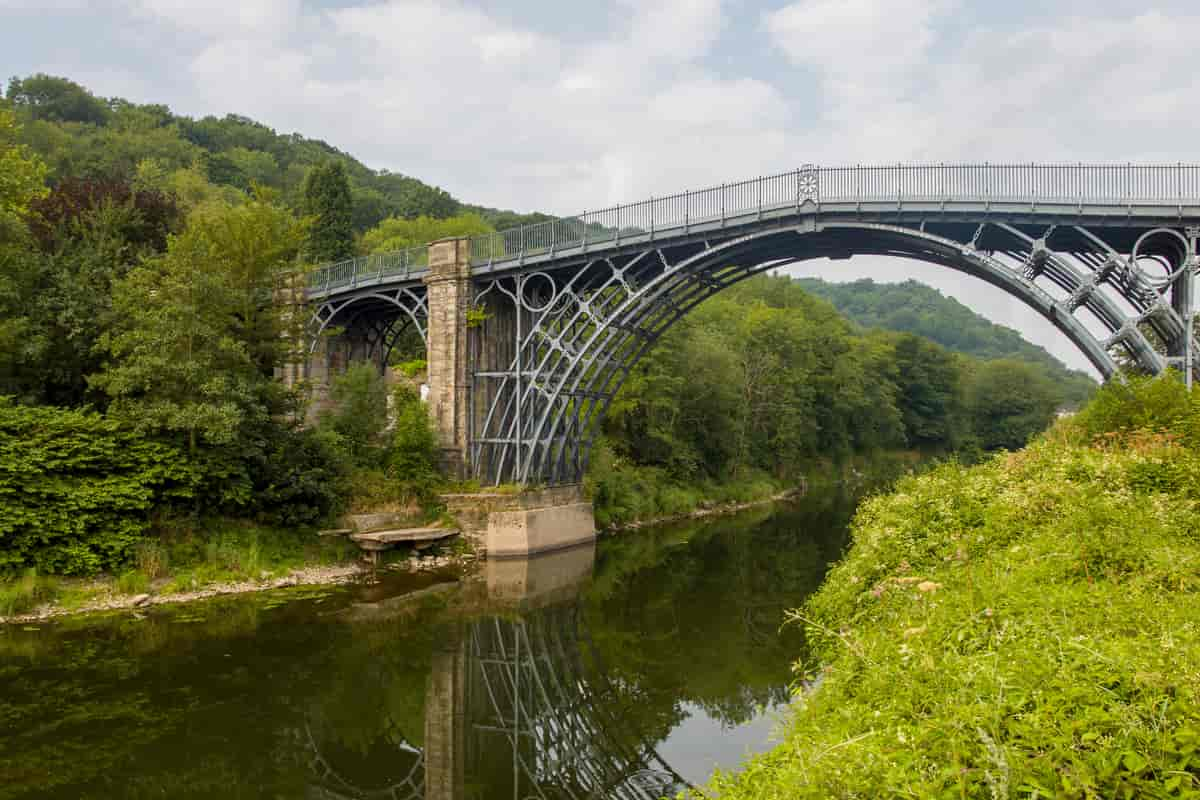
x=561 y=106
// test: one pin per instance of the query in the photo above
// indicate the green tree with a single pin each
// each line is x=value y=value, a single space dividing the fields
x=327 y=200
x=51 y=98
x=22 y=174
x=359 y=413
x=413 y=460
x=399 y=234
x=195 y=333
x=930 y=387
x=175 y=363
x=911 y=307
x=253 y=244
x=1008 y=402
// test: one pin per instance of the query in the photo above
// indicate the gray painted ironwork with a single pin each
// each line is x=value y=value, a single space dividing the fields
x=530 y=690
x=1105 y=253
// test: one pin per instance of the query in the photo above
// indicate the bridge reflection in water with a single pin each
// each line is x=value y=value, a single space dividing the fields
x=517 y=704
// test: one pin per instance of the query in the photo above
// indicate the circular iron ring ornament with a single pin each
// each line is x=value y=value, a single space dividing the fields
x=523 y=293
x=1175 y=268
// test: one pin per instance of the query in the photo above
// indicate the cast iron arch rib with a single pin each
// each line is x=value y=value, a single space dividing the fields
x=606 y=313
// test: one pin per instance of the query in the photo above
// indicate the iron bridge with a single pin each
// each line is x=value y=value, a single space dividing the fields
x=1106 y=253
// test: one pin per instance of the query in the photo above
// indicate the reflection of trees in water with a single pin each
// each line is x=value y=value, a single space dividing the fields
x=512 y=708
x=570 y=701
x=715 y=608
x=404 y=767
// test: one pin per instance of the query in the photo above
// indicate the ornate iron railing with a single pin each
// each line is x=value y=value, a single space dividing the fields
x=1032 y=183
x=369 y=269
x=1085 y=184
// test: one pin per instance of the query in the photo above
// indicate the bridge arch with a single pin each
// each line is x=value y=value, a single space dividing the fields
x=587 y=326
x=373 y=321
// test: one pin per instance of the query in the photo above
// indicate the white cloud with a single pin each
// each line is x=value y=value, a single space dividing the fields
x=258 y=18
x=864 y=46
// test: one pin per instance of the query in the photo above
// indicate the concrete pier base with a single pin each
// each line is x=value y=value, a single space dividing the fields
x=540 y=581
x=526 y=531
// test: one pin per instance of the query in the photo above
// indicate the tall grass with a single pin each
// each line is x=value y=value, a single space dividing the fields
x=1029 y=627
x=25 y=593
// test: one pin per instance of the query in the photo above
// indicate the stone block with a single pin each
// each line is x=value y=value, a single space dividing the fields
x=525 y=531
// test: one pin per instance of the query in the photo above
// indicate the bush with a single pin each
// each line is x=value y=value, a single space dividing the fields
x=622 y=492
x=1024 y=628
x=413 y=459
x=301 y=478
x=77 y=489
x=1142 y=403
x=360 y=413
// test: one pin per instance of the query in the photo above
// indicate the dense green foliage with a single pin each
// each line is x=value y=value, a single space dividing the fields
x=396 y=233
x=1023 y=628
x=80 y=135
x=765 y=379
x=912 y=307
x=328 y=202
x=77 y=488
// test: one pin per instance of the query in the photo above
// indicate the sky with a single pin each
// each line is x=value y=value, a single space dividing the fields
x=562 y=106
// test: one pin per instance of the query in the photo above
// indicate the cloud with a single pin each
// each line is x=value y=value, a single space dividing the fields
x=862 y=46
x=257 y=18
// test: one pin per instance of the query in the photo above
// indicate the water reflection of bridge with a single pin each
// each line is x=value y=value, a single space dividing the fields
x=516 y=704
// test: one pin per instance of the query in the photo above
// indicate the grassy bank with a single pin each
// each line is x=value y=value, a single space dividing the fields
x=191 y=557
x=624 y=493
x=1028 y=627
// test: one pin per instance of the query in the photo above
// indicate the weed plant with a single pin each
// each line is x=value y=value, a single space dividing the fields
x=1025 y=628
x=25 y=593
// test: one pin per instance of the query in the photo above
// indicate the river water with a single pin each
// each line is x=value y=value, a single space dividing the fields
x=625 y=670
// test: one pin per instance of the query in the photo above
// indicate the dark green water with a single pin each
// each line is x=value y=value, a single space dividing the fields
x=622 y=671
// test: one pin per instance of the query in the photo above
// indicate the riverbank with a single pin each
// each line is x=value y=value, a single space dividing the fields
x=194 y=563
x=1028 y=627
x=706 y=509
x=627 y=496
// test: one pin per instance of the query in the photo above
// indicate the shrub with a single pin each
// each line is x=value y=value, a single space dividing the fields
x=77 y=489
x=301 y=477
x=412 y=461
x=1142 y=403
x=360 y=414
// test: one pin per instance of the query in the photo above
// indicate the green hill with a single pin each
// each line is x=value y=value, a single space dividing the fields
x=80 y=135
x=912 y=307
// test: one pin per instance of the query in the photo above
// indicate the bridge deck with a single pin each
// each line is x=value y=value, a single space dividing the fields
x=1042 y=194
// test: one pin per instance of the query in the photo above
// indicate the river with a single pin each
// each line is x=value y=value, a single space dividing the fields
x=627 y=670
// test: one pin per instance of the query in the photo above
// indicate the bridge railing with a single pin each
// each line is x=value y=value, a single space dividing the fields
x=1117 y=184
x=374 y=268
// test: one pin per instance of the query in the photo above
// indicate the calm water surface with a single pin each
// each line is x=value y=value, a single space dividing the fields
x=622 y=671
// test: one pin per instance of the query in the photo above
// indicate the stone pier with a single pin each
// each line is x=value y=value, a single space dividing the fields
x=449 y=288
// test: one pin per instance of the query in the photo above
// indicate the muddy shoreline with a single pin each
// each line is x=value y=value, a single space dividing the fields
x=332 y=575
x=347 y=572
